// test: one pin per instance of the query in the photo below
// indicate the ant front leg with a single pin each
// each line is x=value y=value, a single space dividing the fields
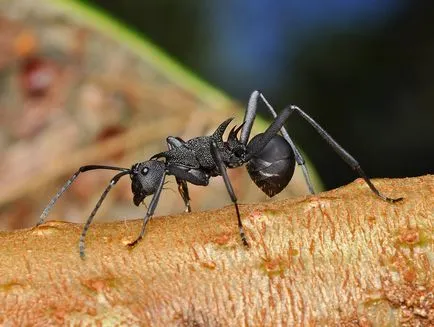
x=94 y=211
x=249 y=118
x=69 y=183
x=150 y=211
x=222 y=169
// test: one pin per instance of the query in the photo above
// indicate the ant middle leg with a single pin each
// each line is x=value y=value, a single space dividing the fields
x=222 y=169
x=176 y=142
x=183 y=191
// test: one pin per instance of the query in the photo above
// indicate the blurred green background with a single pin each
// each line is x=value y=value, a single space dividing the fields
x=363 y=69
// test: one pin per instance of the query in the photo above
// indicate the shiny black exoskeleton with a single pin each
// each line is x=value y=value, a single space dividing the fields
x=270 y=159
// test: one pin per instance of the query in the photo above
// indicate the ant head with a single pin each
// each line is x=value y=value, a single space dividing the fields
x=145 y=177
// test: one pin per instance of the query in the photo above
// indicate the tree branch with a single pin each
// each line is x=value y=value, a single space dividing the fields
x=340 y=257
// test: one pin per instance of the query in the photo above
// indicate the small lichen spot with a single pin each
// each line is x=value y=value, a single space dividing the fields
x=273 y=267
x=209 y=265
x=412 y=237
x=222 y=239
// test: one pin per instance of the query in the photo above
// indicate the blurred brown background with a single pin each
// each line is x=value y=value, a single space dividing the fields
x=73 y=93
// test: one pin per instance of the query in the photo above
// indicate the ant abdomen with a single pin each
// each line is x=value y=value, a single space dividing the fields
x=273 y=167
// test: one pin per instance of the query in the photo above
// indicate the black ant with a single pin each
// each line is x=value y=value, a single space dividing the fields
x=269 y=157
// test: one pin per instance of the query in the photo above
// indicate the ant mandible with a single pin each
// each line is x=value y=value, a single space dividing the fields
x=269 y=157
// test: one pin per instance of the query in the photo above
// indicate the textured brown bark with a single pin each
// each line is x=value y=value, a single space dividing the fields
x=340 y=257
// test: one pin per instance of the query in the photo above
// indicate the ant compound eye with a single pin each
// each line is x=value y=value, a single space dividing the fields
x=145 y=170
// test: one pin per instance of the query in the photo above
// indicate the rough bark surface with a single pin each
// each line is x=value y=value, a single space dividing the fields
x=340 y=257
